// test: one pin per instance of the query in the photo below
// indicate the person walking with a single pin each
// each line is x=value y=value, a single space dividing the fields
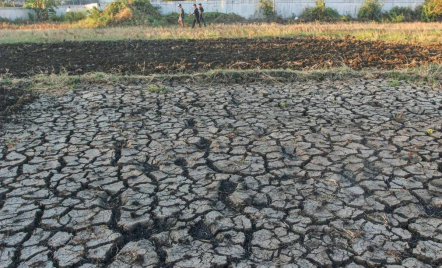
x=201 y=11
x=181 y=16
x=196 y=15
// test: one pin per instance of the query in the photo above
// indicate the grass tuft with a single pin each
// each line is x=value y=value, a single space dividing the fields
x=425 y=76
x=157 y=89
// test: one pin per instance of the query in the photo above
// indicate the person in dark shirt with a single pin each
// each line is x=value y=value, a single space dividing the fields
x=181 y=16
x=196 y=15
x=201 y=11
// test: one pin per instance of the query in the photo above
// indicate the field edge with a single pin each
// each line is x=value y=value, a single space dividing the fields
x=429 y=75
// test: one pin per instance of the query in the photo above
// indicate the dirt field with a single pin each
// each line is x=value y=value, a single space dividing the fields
x=318 y=174
x=305 y=174
x=186 y=56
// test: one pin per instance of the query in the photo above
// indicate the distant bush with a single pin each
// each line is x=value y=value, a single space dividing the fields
x=144 y=13
x=218 y=17
x=347 y=18
x=124 y=15
x=42 y=8
x=4 y=4
x=266 y=6
x=371 y=10
x=400 y=14
x=123 y=12
x=320 y=13
x=53 y=17
x=432 y=10
x=74 y=16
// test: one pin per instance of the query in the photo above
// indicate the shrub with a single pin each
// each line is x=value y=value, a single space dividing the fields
x=114 y=8
x=347 y=18
x=53 y=17
x=128 y=13
x=418 y=11
x=371 y=10
x=74 y=16
x=266 y=6
x=432 y=10
x=4 y=4
x=123 y=15
x=144 y=13
x=400 y=14
x=320 y=13
x=42 y=8
x=218 y=17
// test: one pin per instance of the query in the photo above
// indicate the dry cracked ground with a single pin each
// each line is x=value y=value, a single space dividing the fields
x=312 y=174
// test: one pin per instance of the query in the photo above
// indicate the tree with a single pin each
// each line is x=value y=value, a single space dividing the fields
x=370 y=10
x=432 y=10
x=42 y=8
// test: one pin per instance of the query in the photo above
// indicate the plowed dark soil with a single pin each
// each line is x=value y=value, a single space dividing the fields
x=177 y=56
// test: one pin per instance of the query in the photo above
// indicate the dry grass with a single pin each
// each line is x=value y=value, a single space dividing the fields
x=424 y=76
x=393 y=32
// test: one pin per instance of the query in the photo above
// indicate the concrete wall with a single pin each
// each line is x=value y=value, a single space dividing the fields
x=284 y=8
x=245 y=8
x=61 y=10
x=351 y=7
x=13 y=13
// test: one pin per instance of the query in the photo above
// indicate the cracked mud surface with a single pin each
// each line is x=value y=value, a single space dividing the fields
x=312 y=174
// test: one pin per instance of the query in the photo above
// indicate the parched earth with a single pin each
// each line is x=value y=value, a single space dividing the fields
x=188 y=56
x=330 y=174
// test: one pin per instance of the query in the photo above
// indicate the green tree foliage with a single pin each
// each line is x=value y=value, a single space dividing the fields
x=267 y=8
x=123 y=12
x=320 y=13
x=371 y=10
x=43 y=8
x=432 y=10
x=75 y=16
x=400 y=14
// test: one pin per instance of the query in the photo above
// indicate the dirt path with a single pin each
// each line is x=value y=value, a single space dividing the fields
x=177 y=56
x=311 y=174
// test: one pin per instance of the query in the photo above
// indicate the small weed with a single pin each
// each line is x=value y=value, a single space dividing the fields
x=6 y=80
x=400 y=116
x=11 y=143
x=74 y=86
x=157 y=89
x=394 y=83
x=231 y=135
x=128 y=144
x=395 y=254
x=283 y=105
x=98 y=76
x=352 y=234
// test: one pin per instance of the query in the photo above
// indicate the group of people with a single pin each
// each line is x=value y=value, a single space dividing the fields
x=198 y=15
